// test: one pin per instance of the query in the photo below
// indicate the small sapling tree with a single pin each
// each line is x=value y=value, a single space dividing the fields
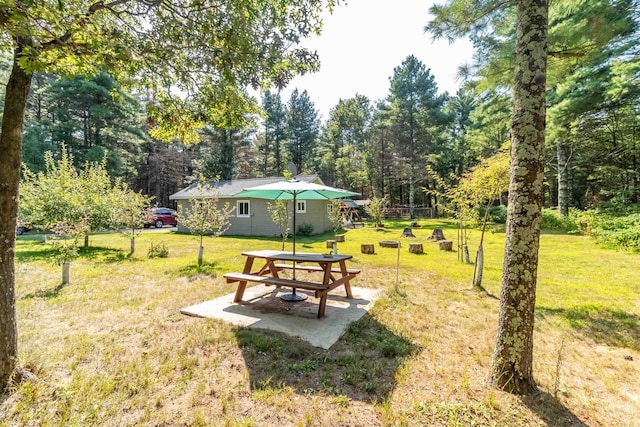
x=481 y=187
x=63 y=194
x=65 y=243
x=280 y=215
x=375 y=210
x=203 y=216
x=131 y=213
x=335 y=215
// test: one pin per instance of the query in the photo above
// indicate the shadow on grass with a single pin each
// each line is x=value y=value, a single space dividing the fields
x=43 y=254
x=484 y=292
x=551 y=410
x=103 y=254
x=361 y=366
x=46 y=293
x=46 y=252
x=206 y=269
x=606 y=326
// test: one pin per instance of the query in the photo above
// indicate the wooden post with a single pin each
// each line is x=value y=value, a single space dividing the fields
x=446 y=245
x=367 y=248
x=416 y=248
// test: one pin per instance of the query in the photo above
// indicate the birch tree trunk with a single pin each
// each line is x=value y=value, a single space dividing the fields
x=563 y=177
x=10 y=157
x=513 y=355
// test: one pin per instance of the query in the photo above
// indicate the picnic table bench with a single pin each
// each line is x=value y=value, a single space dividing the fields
x=268 y=273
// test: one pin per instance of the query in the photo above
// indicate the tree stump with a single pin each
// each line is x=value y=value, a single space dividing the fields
x=446 y=245
x=437 y=235
x=416 y=248
x=330 y=243
x=339 y=237
x=407 y=232
x=367 y=248
x=389 y=243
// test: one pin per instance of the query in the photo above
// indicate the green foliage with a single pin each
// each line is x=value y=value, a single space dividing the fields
x=618 y=232
x=203 y=215
x=551 y=220
x=477 y=190
x=418 y=120
x=130 y=212
x=95 y=118
x=280 y=215
x=375 y=209
x=342 y=151
x=305 y=229
x=271 y=157
x=157 y=250
x=62 y=194
x=242 y=50
x=303 y=125
x=496 y=214
x=335 y=215
x=65 y=240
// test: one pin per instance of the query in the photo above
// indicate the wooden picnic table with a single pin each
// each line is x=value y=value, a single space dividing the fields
x=333 y=268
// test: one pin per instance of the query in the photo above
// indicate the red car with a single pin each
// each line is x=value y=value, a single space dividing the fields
x=162 y=217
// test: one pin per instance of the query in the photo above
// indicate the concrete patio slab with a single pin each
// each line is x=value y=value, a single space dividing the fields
x=262 y=308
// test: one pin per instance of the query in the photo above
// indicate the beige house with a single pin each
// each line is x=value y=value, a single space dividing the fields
x=251 y=216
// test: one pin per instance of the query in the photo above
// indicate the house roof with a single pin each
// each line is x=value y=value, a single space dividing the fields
x=226 y=189
x=349 y=203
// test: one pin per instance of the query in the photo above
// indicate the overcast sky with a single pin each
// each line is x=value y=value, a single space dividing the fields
x=363 y=41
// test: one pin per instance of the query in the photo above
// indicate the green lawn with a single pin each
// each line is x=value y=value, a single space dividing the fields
x=111 y=348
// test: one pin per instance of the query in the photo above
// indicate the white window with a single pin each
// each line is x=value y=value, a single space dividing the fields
x=329 y=209
x=301 y=206
x=243 y=209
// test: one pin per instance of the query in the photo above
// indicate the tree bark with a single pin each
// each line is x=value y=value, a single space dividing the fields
x=10 y=158
x=513 y=355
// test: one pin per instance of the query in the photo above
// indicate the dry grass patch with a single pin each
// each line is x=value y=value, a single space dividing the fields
x=111 y=348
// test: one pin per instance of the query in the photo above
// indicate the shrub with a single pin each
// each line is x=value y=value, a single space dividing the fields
x=158 y=250
x=585 y=221
x=552 y=220
x=497 y=214
x=618 y=232
x=375 y=209
x=305 y=229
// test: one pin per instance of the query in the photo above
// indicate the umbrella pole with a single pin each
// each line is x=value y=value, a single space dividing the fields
x=294 y=226
x=293 y=296
x=294 y=238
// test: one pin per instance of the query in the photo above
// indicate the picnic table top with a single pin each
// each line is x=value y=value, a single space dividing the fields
x=298 y=257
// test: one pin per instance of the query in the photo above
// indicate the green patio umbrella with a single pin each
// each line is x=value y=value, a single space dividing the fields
x=293 y=189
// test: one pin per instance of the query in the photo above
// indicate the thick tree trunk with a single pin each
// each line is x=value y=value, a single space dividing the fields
x=563 y=177
x=513 y=356
x=10 y=157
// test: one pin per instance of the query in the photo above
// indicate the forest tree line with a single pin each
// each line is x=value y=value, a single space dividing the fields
x=380 y=148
